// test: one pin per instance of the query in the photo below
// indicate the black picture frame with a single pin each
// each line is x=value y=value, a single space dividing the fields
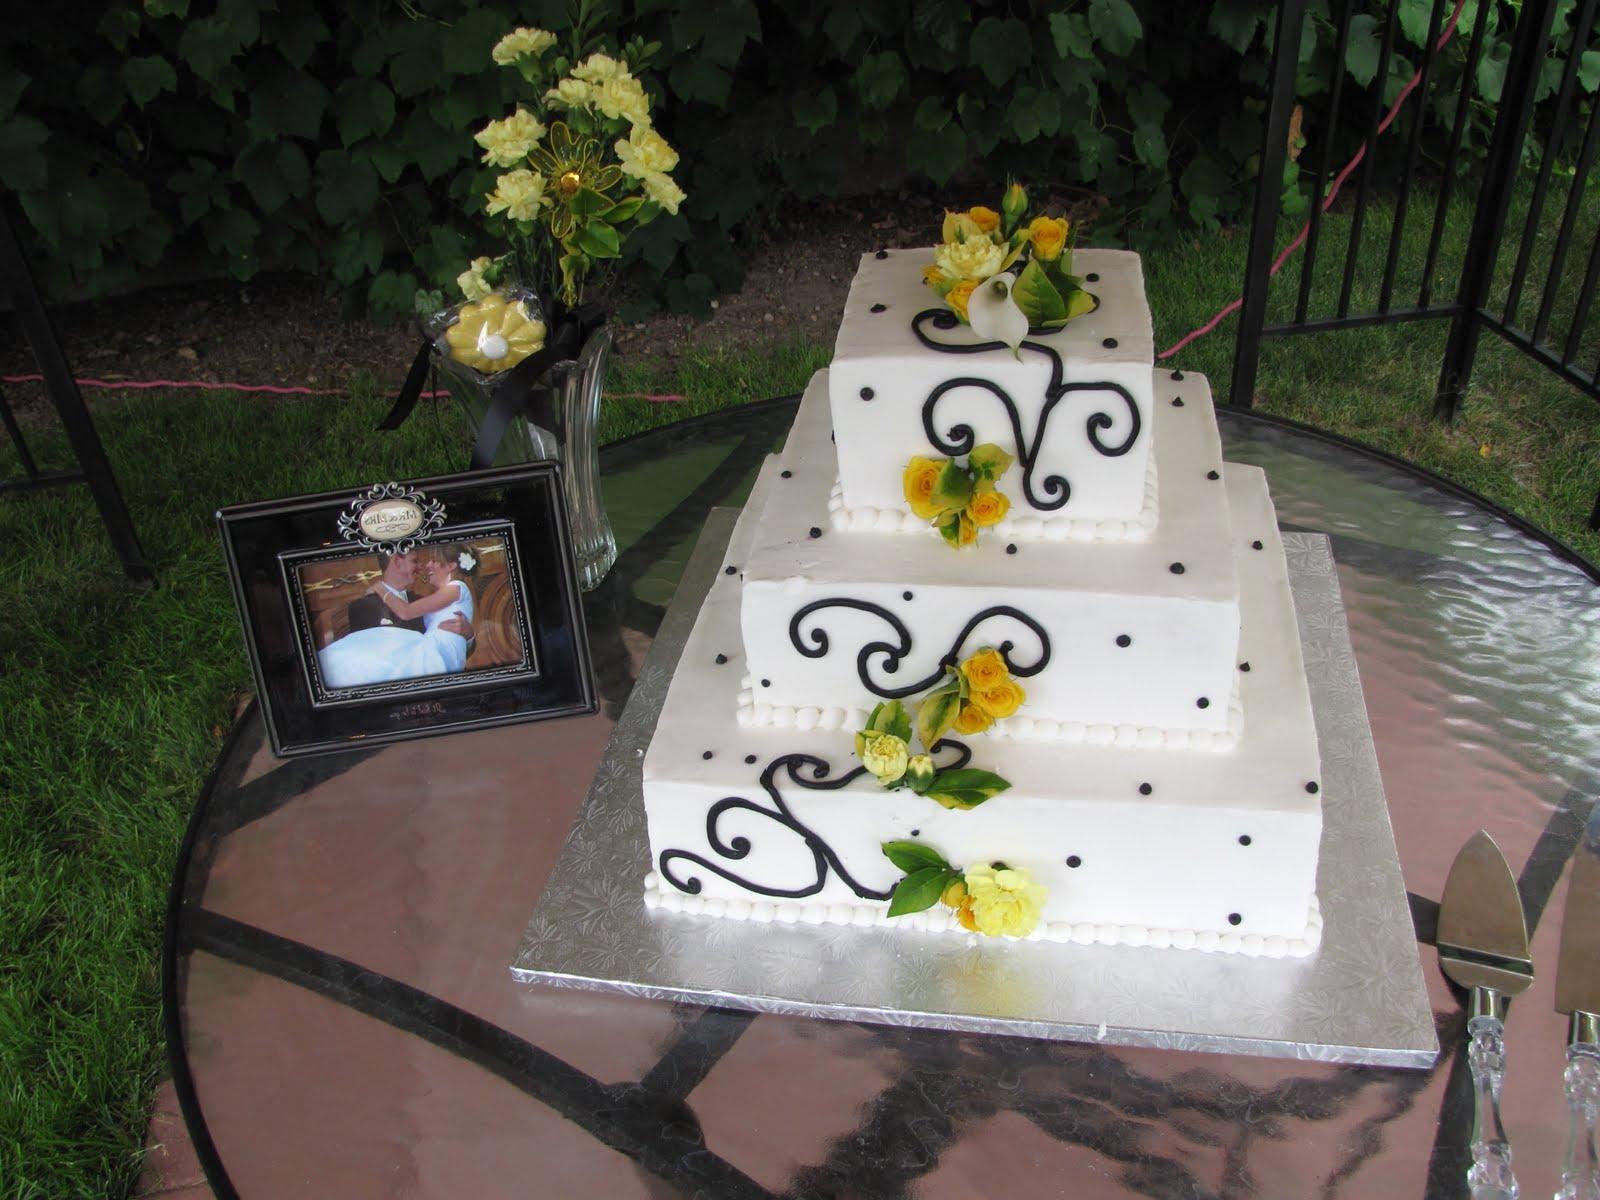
x=516 y=512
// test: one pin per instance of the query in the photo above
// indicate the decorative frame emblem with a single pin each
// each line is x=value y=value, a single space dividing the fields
x=390 y=518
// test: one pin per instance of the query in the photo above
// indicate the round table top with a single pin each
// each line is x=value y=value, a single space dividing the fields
x=343 y=1022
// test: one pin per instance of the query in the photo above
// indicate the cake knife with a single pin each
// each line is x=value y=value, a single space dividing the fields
x=1578 y=995
x=1483 y=946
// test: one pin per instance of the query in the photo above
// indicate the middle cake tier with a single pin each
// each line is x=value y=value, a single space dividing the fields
x=1124 y=643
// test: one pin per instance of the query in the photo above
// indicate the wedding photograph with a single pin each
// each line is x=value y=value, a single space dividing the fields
x=445 y=608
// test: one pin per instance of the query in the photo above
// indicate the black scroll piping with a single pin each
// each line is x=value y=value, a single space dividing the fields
x=961 y=439
x=823 y=857
x=815 y=644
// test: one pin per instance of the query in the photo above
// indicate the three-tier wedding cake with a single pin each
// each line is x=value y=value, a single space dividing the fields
x=1121 y=742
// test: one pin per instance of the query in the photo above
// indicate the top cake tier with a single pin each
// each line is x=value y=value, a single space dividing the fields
x=1072 y=404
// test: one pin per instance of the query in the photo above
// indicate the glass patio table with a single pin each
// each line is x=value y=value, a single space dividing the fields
x=342 y=1020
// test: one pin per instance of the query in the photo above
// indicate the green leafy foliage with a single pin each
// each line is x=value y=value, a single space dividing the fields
x=338 y=137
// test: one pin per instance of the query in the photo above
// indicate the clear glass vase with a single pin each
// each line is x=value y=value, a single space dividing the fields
x=560 y=423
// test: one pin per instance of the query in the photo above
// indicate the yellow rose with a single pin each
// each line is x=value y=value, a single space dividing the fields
x=975 y=259
x=965 y=918
x=988 y=508
x=471 y=281
x=624 y=99
x=519 y=194
x=986 y=669
x=506 y=143
x=519 y=42
x=966 y=532
x=921 y=476
x=1001 y=700
x=600 y=68
x=957 y=296
x=954 y=894
x=986 y=219
x=972 y=719
x=1004 y=900
x=1049 y=237
x=645 y=151
x=494 y=334
x=659 y=187
x=931 y=275
x=886 y=757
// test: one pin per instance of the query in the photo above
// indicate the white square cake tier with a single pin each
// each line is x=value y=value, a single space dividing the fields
x=1118 y=642
x=1073 y=404
x=1134 y=845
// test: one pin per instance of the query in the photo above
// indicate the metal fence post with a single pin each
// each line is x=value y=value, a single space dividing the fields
x=1269 y=187
x=1494 y=201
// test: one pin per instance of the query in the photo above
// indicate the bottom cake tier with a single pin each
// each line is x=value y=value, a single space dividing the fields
x=1133 y=845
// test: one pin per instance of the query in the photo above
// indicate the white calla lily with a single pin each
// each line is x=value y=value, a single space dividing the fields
x=994 y=315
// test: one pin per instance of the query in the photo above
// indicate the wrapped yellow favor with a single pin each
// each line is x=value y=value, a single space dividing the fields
x=494 y=334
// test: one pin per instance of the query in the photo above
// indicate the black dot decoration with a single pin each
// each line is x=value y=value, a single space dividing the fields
x=730 y=570
x=1074 y=861
x=1177 y=374
x=1176 y=568
x=766 y=683
x=1234 y=918
x=750 y=758
x=880 y=308
x=881 y=254
x=1244 y=666
x=916 y=833
x=1212 y=475
x=1011 y=548
x=1093 y=277
x=816 y=532
x=1110 y=343
x=721 y=658
x=1177 y=402
x=1145 y=789
x=867 y=393
x=1202 y=703
x=905 y=595
x=1256 y=545
x=1313 y=788
x=1244 y=839
x=786 y=474
x=1124 y=640
x=706 y=755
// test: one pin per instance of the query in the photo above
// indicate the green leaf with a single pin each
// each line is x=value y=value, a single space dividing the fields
x=949 y=527
x=936 y=714
x=1070 y=32
x=288 y=103
x=359 y=252
x=120 y=22
x=1115 y=25
x=1148 y=104
x=393 y=292
x=296 y=33
x=22 y=164
x=971 y=779
x=589 y=202
x=272 y=172
x=932 y=114
x=937 y=155
x=914 y=856
x=599 y=240
x=953 y=488
x=919 y=890
x=364 y=108
x=1034 y=113
x=624 y=210
x=347 y=188
x=989 y=461
x=1079 y=302
x=1000 y=48
x=1235 y=22
x=417 y=62
x=890 y=716
x=465 y=45
x=843 y=26
x=1037 y=297
x=166 y=8
x=1491 y=71
x=1362 y=51
x=1588 y=72
x=694 y=77
x=880 y=78
x=1150 y=145
x=147 y=77
x=1414 y=18
x=812 y=112
x=211 y=43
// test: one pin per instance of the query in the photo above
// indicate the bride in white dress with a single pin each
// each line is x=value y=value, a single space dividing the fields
x=387 y=653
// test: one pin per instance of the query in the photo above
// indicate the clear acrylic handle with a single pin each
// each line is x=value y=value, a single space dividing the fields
x=1580 y=1174
x=1490 y=1176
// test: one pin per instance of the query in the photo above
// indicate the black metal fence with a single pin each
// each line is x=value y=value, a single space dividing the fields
x=1486 y=295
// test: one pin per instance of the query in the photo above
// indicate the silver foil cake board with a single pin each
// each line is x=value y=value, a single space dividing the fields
x=1359 y=999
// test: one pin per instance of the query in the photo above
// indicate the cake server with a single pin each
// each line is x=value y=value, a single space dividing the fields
x=1483 y=946
x=1578 y=995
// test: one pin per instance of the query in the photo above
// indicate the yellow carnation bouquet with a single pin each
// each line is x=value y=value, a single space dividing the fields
x=1007 y=272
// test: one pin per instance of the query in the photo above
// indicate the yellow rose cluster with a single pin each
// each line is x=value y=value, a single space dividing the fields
x=980 y=243
x=958 y=500
x=990 y=693
x=580 y=161
x=993 y=899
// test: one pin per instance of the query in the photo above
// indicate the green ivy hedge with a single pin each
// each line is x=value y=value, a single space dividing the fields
x=335 y=138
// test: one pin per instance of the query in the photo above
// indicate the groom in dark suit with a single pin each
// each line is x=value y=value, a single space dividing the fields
x=399 y=572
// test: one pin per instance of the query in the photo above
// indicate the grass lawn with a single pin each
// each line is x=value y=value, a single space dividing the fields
x=115 y=699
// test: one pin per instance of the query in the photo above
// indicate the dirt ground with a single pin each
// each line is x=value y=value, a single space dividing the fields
x=287 y=330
